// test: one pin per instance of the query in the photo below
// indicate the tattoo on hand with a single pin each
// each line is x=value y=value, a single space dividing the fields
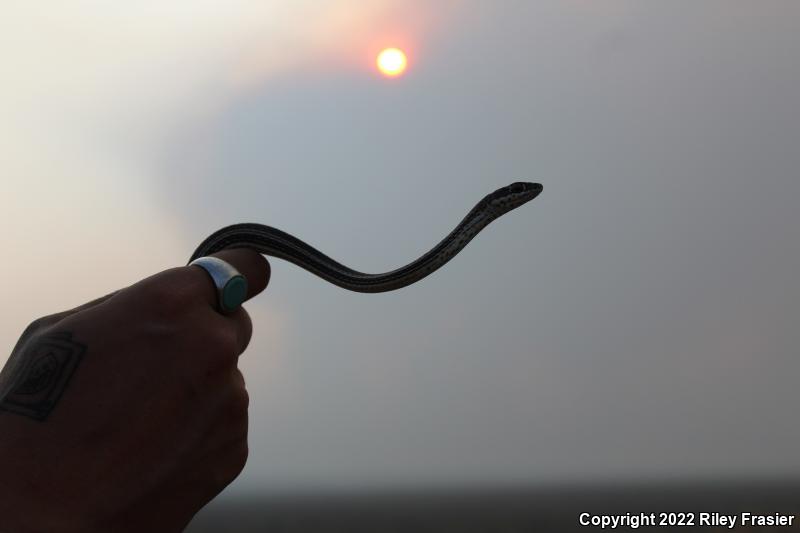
x=37 y=373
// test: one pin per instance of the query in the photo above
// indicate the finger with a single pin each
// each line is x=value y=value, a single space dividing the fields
x=241 y=323
x=250 y=264
x=238 y=378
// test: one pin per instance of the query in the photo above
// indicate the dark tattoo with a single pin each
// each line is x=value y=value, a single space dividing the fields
x=38 y=372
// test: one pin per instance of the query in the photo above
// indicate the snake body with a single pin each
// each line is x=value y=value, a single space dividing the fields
x=274 y=242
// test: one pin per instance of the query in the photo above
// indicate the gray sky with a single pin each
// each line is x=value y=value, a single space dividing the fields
x=637 y=320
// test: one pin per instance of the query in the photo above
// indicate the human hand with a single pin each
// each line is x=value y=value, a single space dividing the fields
x=128 y=413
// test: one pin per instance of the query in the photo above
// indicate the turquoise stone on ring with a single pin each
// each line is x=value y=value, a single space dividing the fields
x=234 y=293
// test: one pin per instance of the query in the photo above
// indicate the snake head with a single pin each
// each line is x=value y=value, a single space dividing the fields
x=512 y=196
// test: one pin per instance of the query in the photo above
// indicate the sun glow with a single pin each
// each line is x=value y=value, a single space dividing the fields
x=391 y=62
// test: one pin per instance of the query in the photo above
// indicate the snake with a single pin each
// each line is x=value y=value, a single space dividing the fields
x=276 y=243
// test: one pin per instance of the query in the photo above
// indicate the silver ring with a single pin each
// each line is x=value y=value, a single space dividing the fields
x=231 y=285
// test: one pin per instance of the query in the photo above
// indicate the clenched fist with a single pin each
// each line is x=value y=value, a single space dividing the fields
x=128 y=413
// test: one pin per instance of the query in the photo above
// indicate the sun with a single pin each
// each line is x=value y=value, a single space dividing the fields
x=391 y=62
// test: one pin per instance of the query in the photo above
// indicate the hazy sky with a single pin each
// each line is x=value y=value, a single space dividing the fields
x=638 y=319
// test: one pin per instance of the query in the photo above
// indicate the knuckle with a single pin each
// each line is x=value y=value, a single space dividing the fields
x=221 y=344
x=240 y=402
x=166 y=298
x=154 y=291
x=209 y=351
